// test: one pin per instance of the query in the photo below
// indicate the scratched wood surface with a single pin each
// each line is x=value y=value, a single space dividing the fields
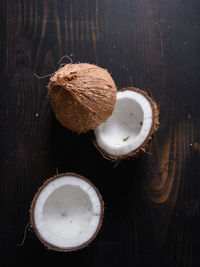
x=152 y=202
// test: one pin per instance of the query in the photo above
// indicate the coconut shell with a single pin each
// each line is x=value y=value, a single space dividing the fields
x=147 y=141
x=82 y=96
x=32 y=219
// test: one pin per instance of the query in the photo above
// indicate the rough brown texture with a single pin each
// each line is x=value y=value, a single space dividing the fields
x=32 y=218
x=147 y=141
x=82 y=96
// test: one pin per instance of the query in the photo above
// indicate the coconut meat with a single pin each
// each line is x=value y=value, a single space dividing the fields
x=128 y=126
x=67 y=212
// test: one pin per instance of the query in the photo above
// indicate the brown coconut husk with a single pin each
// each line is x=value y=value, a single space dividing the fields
x=82 y=96
x=143 y=147
x=32 y=218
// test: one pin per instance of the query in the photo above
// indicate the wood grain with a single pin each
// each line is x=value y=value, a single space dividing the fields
x=152 y=202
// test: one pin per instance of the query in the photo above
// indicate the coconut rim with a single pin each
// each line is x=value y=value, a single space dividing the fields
x=32 y=217
x=147 y=140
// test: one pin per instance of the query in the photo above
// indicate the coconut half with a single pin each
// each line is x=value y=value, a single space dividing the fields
x=66 y=212
x=131 y=126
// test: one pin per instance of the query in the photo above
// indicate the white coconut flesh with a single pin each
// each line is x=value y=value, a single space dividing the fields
x=67 y=212
x=128 y=126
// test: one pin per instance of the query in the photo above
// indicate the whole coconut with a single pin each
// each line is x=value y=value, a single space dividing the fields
x=82 y=96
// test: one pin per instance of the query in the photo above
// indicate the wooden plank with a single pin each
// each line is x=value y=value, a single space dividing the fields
x=152 y=203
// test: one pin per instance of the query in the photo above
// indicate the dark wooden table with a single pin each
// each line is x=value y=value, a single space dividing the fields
x=152 y=215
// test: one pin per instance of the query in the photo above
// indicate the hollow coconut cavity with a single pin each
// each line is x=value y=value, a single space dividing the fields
x=66 y=212
x=131 y=126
